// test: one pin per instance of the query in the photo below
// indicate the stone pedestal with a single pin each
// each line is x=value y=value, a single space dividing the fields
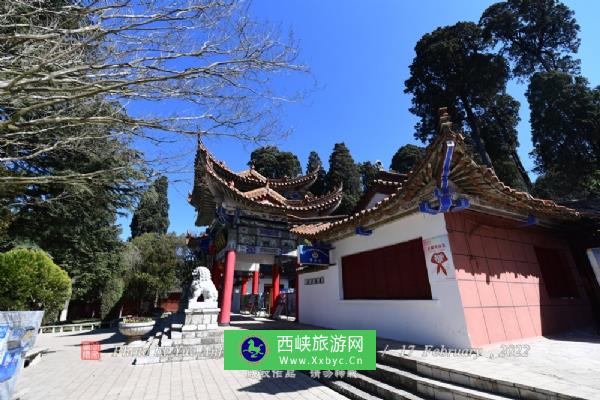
x=201 y=318
x=199 y=338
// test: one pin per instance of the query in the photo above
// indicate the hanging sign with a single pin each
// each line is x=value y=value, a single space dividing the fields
x=314 y=281
x=258 y=250
x=313 y=255
x=438 y=258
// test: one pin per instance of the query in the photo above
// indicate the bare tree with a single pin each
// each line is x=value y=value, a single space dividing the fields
x=71 y=72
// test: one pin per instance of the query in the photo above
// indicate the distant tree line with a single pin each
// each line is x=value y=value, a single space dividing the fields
x=354 y=178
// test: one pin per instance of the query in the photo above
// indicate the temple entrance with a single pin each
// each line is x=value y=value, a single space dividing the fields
x=248 y=218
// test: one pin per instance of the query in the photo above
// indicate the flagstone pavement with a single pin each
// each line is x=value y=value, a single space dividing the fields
x=61 y=374
x=568 y=363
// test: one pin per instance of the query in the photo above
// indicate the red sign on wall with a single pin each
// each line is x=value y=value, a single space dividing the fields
x=438 y=257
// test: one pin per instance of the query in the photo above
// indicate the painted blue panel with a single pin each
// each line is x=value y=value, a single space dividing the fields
x=444 y=193
x=313 y=255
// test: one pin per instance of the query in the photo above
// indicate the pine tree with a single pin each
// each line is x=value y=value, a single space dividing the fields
x=565 y=122
x=540 y=38
x=368 y=173
x=274 y=163
x=344 y=171
x=75 y=225
x=455 y=67
x=536 y=35
x=152 y=213
x=314 y=164
x=406 y=158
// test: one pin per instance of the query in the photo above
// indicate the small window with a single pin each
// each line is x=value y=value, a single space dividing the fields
x=556 y=273
x=393 y=272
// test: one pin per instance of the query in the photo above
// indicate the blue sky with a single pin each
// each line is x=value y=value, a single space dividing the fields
x=359 y=53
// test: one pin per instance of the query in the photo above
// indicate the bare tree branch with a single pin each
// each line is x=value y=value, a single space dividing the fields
x=70 y=70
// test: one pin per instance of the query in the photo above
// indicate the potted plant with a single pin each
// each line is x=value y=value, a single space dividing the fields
x=136 y=327
x=139 y=288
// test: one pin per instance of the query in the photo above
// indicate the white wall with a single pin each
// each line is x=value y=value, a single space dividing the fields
x=438 y=321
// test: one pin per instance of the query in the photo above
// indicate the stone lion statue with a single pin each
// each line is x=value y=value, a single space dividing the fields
x=202 y=285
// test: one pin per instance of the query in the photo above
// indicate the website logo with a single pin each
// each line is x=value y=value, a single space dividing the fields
x=310 y=349
x=253 y=349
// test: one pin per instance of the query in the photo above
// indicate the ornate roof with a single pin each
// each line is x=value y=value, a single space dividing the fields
x=215 y=183
x=252 y=179
x=476 y=182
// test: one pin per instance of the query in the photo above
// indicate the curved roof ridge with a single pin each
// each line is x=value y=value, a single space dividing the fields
x=332 y=194
x=473 y=178
x=251 y=176
x=330 y=203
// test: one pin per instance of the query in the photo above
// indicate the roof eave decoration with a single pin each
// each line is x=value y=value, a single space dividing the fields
x=268 y=200
x=443 y=193
x=214 y=184
x=252 y=179
x=478 y=185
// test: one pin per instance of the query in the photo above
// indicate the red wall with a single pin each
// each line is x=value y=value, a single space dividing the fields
x=393 y=272
x=500 y=281
x=171 y=303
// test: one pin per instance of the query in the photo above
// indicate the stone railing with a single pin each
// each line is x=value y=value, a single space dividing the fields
x=84 y=326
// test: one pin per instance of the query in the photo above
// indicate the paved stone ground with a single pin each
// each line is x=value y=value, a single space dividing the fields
x=61 y=374
x=568 y=363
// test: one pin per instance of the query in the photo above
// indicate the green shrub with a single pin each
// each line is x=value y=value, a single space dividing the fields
x=111 y=298
x=30 y=280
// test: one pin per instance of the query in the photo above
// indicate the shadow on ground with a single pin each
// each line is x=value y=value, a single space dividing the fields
x=276 y=386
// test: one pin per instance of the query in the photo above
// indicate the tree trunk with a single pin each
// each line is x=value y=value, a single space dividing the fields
x=519 y=165
x=475 y=134
x=522 y=170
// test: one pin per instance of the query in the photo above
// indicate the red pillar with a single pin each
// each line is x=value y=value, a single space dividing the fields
x=225 y=315
x=255 y=279
x=275 y=289
x=244 y=288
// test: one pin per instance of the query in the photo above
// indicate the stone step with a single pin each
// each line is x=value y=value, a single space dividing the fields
x=428 y=387
x=152 y=341
x=200 y=334
x=199 y=340
x=469 y=380
x=174 y=353
x=176 y=335
x=351 y=392
x=394 y=360
x=176 y=327
x=381 y=389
